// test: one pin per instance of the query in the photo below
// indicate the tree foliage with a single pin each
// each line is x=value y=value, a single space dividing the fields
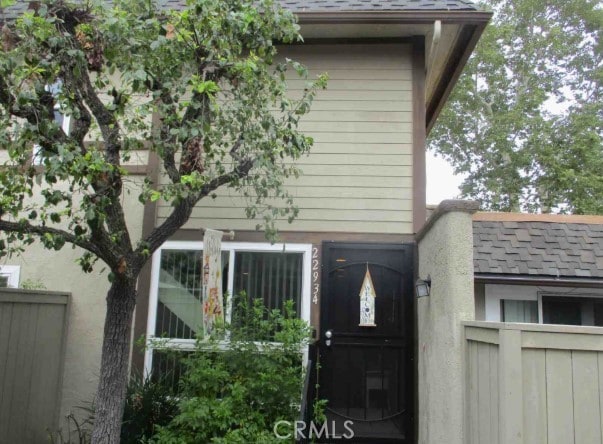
x=201 y=87
x=239 y=394
x=208 y=76
x=525 y=122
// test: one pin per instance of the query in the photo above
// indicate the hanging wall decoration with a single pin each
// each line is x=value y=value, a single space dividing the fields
x=213 y=307
x=367 y=301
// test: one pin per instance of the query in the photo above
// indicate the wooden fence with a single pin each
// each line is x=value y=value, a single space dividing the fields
x=32 y=347
x=529 y=383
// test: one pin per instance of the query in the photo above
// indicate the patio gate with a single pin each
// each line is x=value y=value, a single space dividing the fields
x=32 y=348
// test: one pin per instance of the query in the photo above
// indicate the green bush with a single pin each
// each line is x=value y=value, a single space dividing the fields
x=235 y=391
x=150 y=403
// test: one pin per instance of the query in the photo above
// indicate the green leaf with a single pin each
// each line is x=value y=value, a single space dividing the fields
x=154 y=196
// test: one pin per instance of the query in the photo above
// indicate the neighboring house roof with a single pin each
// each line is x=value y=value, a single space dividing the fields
x=543 y=245
x=320 y=5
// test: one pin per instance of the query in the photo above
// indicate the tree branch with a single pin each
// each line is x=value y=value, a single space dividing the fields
x=26 y=227
x=183 y=210
x=168 y=141
x=83 y=122
x=85 y=94
x=107 y=122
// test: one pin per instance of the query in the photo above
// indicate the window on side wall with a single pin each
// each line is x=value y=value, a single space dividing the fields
x=9 y=276
x=573 y=310
x=258 y=271
x=62 y=120
x=557 y=308
x=518 y=311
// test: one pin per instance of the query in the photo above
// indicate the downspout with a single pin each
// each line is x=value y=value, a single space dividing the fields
x=435 y=43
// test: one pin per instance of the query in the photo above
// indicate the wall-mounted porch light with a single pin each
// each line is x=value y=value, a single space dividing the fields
x=423 y=287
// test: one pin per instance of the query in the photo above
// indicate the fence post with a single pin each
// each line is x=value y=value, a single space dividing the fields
x=510 y=387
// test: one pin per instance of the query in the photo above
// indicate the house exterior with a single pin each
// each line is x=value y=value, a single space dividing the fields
x=532 y=371
x=392 y=65
x=533 y=356
x=545 y=269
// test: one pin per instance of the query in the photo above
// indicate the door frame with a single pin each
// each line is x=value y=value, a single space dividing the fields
x=409 y=275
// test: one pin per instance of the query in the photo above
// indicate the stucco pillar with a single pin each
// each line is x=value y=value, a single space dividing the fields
x=445 y=253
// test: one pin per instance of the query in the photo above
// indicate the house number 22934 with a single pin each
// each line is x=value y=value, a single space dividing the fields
x=315 y=282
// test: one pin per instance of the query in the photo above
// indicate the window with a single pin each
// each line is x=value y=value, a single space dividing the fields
x=63 y=120
x=9 y=276
x=572 y=310
x=532 y=304
x=519 y=311
x=598 y=309
x=273 y=273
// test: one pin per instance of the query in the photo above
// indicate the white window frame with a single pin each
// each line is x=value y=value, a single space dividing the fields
x=231 y=248
x=37 y=158
x=492 y=301
x=12 y=272
x=561 y=294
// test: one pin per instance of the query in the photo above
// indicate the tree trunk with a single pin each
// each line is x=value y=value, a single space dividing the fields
x=109 y=402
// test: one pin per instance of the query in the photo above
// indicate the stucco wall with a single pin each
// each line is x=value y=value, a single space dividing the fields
x=57 y=271
x=446 y=255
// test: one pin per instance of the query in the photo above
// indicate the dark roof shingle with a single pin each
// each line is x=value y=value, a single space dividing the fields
x=554 y=249
x=317 y=6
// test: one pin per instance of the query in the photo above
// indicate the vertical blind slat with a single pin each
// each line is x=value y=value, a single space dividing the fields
x=272 y=277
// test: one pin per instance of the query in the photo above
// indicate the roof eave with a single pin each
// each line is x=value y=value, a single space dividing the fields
x=552 y=281
x=466 y=17
x=472 y=23
x=469 y=36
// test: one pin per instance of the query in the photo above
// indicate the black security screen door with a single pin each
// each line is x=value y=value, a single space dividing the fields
x=366 y=371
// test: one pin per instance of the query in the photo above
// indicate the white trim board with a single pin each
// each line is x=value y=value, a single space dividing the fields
x=494 y=293
x=12 y=272
x=231 y=247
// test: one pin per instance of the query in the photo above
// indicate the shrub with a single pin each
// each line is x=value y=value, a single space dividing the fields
x=235 y=391
x=150 y=403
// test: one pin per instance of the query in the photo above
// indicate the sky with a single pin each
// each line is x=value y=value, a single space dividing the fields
x=441 y=182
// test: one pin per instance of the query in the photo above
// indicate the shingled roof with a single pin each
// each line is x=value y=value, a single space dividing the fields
x=317 y=6
x=542 y=245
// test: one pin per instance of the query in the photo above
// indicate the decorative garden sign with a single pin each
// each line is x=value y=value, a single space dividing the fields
x=367 y=301
x=213 y=310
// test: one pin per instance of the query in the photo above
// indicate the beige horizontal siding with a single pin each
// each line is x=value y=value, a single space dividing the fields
x=358 y=116
x=358 y=177
x=361 y=172
x=343 y=192
x=356 y=159
x=343 y=126
x=357 y=85
x=337 y=57
x=354 y=74
x=331 y=93
x=357 y=105
x=335 y=214
x=353 y=149
x=350 y=182
x=383 y=139
x=308 y=225
x=346 y=204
